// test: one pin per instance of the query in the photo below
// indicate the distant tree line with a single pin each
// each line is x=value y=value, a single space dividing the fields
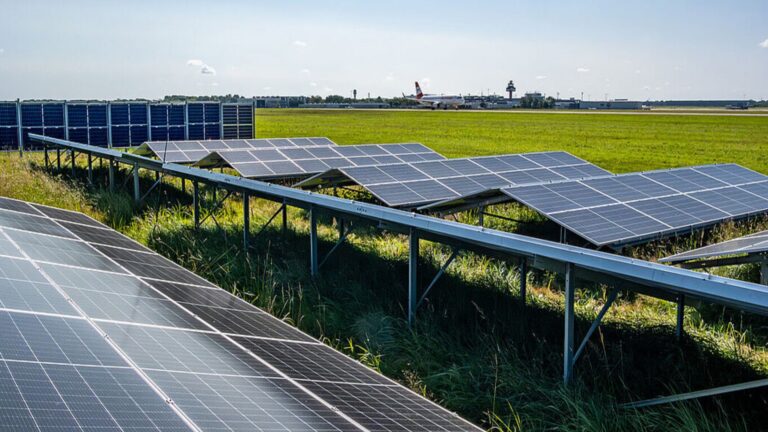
x=533 y=102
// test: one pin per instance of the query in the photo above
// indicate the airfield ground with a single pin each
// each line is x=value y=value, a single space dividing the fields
x=475 y=349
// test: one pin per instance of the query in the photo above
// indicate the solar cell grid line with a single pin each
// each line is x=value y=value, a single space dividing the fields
x=631 y=207
x=387 y=408
x=229 y=345
x=22 y=287
x=416 y=183
x=305 y=161
x=250 y=403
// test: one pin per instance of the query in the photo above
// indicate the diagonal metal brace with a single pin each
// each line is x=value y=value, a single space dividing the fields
x=151 y=188
x=264 y=227
x=697 y=394
x=127 y=177
x=345 y=233
x=215 y=207
x=437 y=276
x=596 y=323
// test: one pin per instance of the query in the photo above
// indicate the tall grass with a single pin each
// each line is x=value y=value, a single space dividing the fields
x=475 y=349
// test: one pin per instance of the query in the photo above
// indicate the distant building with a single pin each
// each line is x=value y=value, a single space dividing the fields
x=612 y=104
x=279 y=101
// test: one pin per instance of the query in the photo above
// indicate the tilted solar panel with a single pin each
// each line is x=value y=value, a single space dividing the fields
x=756 y=243
x=102 y=333
x=288 y=162
x=192 y=151
x=417 y=183
x=628 y=208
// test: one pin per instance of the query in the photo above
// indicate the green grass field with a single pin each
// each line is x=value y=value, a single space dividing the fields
x=475 y=349
x=616 y=142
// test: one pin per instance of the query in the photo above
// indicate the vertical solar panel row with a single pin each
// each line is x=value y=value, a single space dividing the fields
x=129 y=123
x=122 y=123
x=167 y=122
x=9 y=126
x=237 y=121
x=203 y=120
x=87 y=123
x=45 y=118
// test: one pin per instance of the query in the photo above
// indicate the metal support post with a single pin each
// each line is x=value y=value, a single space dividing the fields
x=196 y=203
x=58 y=158
x=90 y=169
x=246 y=221
x=183 y=185
x=764 y=272
x=523 y=270
x=313 y=264
x=136 y=186
x=413 y=262
x=45 y=155
x=111 y=167
x=285 y=218
x=74 y=155
x=480 y=216
x=680 y=317
x=570 y=288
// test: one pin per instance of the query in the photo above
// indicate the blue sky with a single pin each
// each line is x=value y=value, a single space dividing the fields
x=641 y=50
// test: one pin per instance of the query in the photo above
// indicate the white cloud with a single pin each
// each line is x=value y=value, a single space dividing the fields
x=582 y=70
x=299 y=43
x=327 y=89
x=313 y=84
x=306 y=71
x=214 y=84
x=267 y=88
x=2 y=50
x=764 y=44
x=637 y=72
x=204 y=68
x=541 y=77
x=425 y=82
x=390 y=77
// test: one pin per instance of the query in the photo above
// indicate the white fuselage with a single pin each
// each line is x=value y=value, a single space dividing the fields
x=435 y=101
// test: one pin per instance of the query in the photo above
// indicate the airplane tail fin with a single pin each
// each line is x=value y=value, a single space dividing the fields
x=419 y=94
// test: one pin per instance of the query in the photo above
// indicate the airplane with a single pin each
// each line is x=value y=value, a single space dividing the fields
x=436 y=101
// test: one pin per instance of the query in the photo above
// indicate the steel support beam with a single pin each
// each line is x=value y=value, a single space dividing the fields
x=136 y=186
x=523 y=275
x=246 y=221
x=480 y=216
x=596 y=323
x=90 y=169
x=679 y=330
x=285 y=218
x=46 y=159
x=58 y=158
x=764 y=271
x=183 y=185
x=413 y=262
x=196 y=203
x=697 y=394
x=314 y=268
x=442 y=270
x=343 y=233
x=111 y=166
x=73 y=157
x=568 y=353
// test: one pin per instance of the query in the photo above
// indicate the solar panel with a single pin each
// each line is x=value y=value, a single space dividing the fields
x=285 y=162
x=416 y=183
x=184 y=152
x=751 y=244
x=628 y=208
x=102 y=333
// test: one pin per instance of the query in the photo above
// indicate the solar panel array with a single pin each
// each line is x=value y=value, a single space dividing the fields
x=122 y=123
x=751 y=244
x=100 y=333
x=411 y=184
x=304 y=161
x=192 y=151
x=630 y=207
